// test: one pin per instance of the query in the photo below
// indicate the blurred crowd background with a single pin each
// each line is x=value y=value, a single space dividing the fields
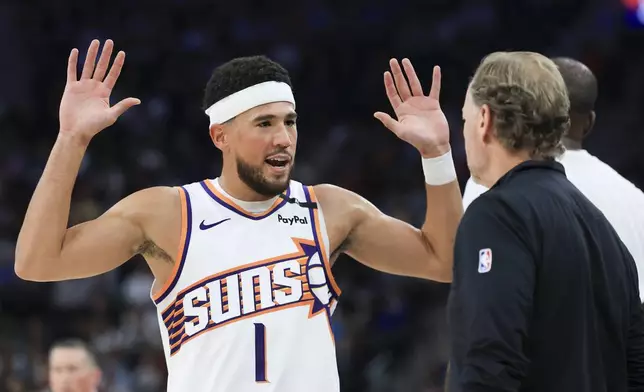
x=390 y=331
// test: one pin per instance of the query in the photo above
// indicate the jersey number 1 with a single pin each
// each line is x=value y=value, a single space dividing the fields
x=260 y=352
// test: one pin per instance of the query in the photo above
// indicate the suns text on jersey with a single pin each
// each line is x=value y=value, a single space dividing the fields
x=268 y=285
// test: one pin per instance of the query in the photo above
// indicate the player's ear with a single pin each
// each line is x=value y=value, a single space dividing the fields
x=219 y=136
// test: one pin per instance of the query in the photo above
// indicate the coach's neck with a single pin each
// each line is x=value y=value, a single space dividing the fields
x=500 y=163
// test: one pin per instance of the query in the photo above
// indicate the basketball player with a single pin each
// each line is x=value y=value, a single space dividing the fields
x=73 y=367
x=242 y=263
x=619 y=200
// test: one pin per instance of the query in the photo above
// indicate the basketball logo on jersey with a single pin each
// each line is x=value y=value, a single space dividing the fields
x=485 y=260
x=294 y=279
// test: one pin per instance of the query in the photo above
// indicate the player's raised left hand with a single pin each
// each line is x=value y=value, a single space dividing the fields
x=420 y=120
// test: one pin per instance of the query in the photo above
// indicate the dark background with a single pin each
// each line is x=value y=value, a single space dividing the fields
x=390 y=331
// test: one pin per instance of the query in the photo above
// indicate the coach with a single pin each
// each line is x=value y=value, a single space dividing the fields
x=545 y=295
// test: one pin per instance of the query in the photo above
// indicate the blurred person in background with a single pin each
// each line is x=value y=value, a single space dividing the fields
x=274 y=244
x=617 y=198
x=73 y=367
x=545 y=295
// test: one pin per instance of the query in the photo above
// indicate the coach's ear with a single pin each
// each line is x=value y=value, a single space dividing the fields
x=485 y=130
x=218 y=136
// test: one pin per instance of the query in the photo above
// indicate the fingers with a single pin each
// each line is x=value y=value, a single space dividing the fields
x=104 y=60
x=399 y=78
x=388 y=122
x=123 y=106
x=90 y=59
x=414 y=83
x=72 y=63
x=391 y=91
x=115 y=71
x=435 y=90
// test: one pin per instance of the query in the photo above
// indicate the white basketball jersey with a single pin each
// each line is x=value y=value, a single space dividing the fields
x=249 y=304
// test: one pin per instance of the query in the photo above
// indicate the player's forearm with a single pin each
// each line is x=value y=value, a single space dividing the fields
x=443 y=214
x=43 y=230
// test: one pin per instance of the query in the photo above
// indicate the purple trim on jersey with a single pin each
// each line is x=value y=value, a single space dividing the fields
x=317 y=286
x=316 y=266
x=178 y=317
x=317 y=240
x=181 y=262
x=233 y=209
x=169 y=312
x=260 y=352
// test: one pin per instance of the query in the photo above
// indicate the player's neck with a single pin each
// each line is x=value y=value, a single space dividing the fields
x=236 y=188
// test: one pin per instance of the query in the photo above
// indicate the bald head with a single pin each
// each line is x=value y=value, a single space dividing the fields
x=582 y=91
x=581 y=84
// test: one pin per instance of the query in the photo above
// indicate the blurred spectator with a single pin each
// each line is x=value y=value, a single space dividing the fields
x=73 y=367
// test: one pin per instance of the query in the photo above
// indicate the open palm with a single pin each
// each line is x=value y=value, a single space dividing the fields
x=85 y=106
x=420 y=120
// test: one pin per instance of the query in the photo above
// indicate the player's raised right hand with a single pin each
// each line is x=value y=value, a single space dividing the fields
x=85 y=107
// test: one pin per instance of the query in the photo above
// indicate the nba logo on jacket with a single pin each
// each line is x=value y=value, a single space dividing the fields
x=485 y=260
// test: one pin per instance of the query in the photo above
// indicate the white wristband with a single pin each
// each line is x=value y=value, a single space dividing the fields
x=439 y=170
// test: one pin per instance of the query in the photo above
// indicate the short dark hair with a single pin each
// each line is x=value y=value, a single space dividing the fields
x=76 y=344
x=240 y=73
x=580 y=82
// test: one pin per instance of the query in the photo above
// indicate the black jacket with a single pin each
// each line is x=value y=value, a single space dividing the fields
x=545 y=295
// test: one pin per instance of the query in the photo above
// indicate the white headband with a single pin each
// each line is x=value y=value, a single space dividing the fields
x=248 y=98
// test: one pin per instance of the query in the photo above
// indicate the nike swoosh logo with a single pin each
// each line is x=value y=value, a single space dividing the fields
x=204 y=226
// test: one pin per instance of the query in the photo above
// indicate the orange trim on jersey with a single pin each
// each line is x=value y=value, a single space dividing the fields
x=318 y=230
x=180 y=318
x=183 y=244
x=277 y=203
x=295 y=255
x=178 y=313
x=180 y=331
x=321 y=310
x=306 y=301
x=170 y=315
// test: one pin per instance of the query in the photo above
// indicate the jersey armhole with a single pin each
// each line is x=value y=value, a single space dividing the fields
x=182 y=251
x=319 y=236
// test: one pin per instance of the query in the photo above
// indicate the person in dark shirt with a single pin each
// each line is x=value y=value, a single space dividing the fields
x=545 y=295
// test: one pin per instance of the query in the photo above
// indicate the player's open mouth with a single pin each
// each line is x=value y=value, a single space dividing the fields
x=278 y=161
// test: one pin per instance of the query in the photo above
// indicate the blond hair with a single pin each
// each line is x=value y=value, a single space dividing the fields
x=528 y=100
